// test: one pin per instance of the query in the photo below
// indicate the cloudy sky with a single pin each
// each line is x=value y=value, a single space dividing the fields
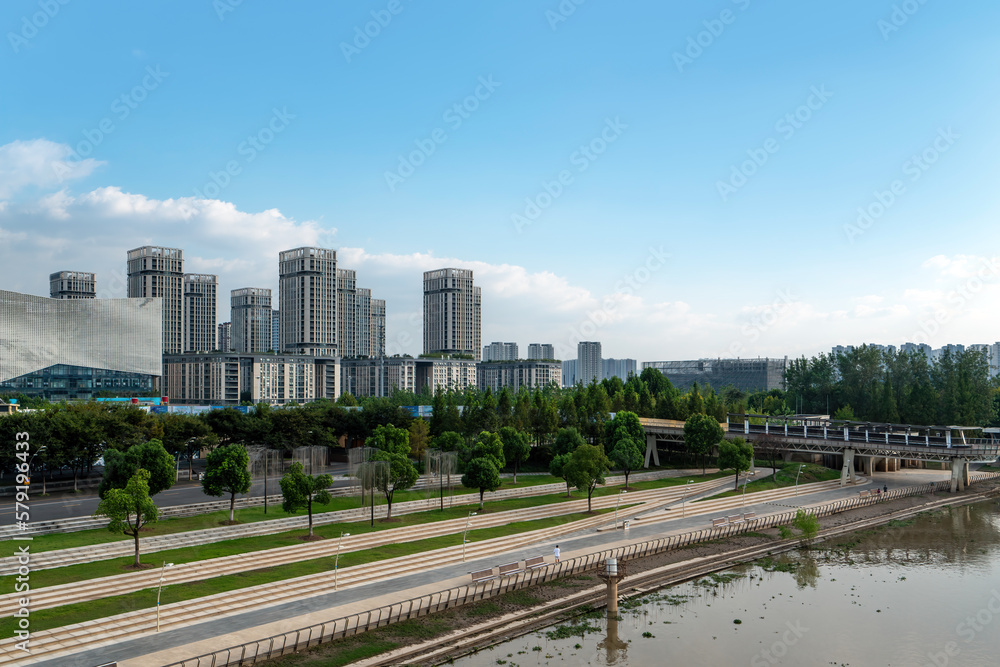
x=674 y=179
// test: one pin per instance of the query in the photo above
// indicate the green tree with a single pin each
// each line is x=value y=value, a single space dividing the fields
x=567 y=440
x=151 y=456
x=490 y=446
x=585 y=469
x=516 y=448
x=299 y=490
x=557 y=468
x=807 y=523
x=130 y=508
x=419 y=437
x=393 y=445
x=481 y=473
x=735 y=455
x=627 y=456
x=449 y=441
x=701 y=433
x=227 y=471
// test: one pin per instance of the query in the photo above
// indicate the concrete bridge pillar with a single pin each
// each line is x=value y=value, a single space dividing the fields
x=959 y=475
x=869 y=465
x=847 y=472
x=651 y=450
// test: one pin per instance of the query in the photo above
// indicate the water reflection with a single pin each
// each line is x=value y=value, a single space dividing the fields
x=914 y=593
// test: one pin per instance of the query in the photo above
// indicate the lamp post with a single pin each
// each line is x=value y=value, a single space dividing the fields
x=158 y=589
x=684 y=497
x=749 y=475
x=30 y=461
x=466 y=533
x=623 y=492
x=797 y=479
x=336 y=562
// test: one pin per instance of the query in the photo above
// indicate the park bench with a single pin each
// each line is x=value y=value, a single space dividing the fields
x=863 y=494
x=749 y=515
x=534 y=563
x=509 y=569
x=719 y=522
x=735 y=518
x=482 y=575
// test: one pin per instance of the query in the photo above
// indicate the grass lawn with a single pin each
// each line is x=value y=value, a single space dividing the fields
x=786 y=477
x=45 y=619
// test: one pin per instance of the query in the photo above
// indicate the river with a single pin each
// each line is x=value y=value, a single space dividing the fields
x=914 y=593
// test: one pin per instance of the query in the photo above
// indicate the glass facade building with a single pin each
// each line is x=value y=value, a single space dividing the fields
x=74 y=348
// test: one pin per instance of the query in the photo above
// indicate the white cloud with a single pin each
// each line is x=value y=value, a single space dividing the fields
x=39 y=163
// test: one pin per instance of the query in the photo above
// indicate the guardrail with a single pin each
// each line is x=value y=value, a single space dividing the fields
x=294 y=641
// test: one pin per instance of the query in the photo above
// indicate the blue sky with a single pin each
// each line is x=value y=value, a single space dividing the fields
x=671 y=98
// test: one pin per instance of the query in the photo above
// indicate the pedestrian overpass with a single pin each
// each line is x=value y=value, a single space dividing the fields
x=870 y=441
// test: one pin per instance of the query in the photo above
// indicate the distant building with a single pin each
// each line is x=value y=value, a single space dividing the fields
x=496 y=375
x=500 y=352
x=452 y=313
x=72 y=285
x=155 y=272
x=307 y=301
x=445 y=374
x=360 y=319
x=200 y=325
x=232 y=378
x=378 y=377
x=569 y=373
x=619 y=368
x=588 y=362
x=541 y=352
x=72 y=349
x=225 y=337
x=276 y=331
x=744 y=374
x=252 y=318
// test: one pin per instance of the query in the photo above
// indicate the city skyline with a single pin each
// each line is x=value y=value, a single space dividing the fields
x=775 y=181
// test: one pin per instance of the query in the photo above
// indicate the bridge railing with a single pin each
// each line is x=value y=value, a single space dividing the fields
x=254 y=652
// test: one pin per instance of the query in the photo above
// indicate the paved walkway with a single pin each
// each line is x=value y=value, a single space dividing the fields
x=165 y=647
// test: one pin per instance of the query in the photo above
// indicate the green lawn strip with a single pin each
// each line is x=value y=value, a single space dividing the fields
x=109 y=567
x=251 y=515
x=82 y=538
x=786 y=478
x=46 y=619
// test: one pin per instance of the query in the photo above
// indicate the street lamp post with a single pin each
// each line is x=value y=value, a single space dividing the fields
x=336 y=562
x=797 y=479
x=684 y=497
x=158 y=589
x=749 y=475
x=30 y=461
x=623 y=492
x=466 y=533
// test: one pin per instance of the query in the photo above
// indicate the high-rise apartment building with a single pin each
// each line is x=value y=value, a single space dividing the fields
x=541 y=352
x=452 y=313
x=252 y=319
x=72 y=285
x=226 y=337
x=500 y=352
x=307 y=301
x=200 y=323
x=276 y=331
x=619 y=368
x=378 y=328
x=588 y=362
x=360 y=319
x=159 y=273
